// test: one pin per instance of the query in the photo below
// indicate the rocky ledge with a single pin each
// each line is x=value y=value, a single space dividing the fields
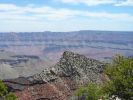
x=58 y=82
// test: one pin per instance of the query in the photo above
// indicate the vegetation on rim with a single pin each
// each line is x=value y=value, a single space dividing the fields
x=120 y=83
x=4 y=94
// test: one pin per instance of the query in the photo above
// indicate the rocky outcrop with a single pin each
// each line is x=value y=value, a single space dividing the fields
x=78 y=68
x=58 y=82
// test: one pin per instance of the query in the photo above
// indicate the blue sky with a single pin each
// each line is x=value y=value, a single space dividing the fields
x=65 y=15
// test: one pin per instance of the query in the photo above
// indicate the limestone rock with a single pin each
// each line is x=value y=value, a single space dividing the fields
x=78 y=67
x=59 y=81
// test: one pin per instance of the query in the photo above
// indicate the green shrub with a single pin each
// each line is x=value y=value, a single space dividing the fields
x=120 y=73
x=4 y=94
x=91 y=92
x=3 y=89
x=10 y=96
x=120 y=83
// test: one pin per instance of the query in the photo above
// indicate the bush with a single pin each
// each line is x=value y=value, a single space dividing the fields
x=119 y=85
x=120 y=73
x=3 y=89
x=10 y=96
x=4 y=94
x=91 y=92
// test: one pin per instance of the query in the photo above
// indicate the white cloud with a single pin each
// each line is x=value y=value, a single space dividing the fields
x=8 y=7
x=125 y=3
x=13 y=12
x=99 y=2
x=114 y=16
x=89 y=2
x=32 y=17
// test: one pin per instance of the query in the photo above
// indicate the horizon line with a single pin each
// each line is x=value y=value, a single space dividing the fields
x=65 y=31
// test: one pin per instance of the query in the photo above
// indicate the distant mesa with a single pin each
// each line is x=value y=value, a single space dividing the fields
x=7 y=72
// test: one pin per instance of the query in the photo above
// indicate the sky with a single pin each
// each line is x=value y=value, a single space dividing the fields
x=65 y=15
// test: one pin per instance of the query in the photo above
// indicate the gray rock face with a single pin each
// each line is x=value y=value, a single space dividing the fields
x=74 y=66
x=46 y=75
x=59 y=82
x=79 y=68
